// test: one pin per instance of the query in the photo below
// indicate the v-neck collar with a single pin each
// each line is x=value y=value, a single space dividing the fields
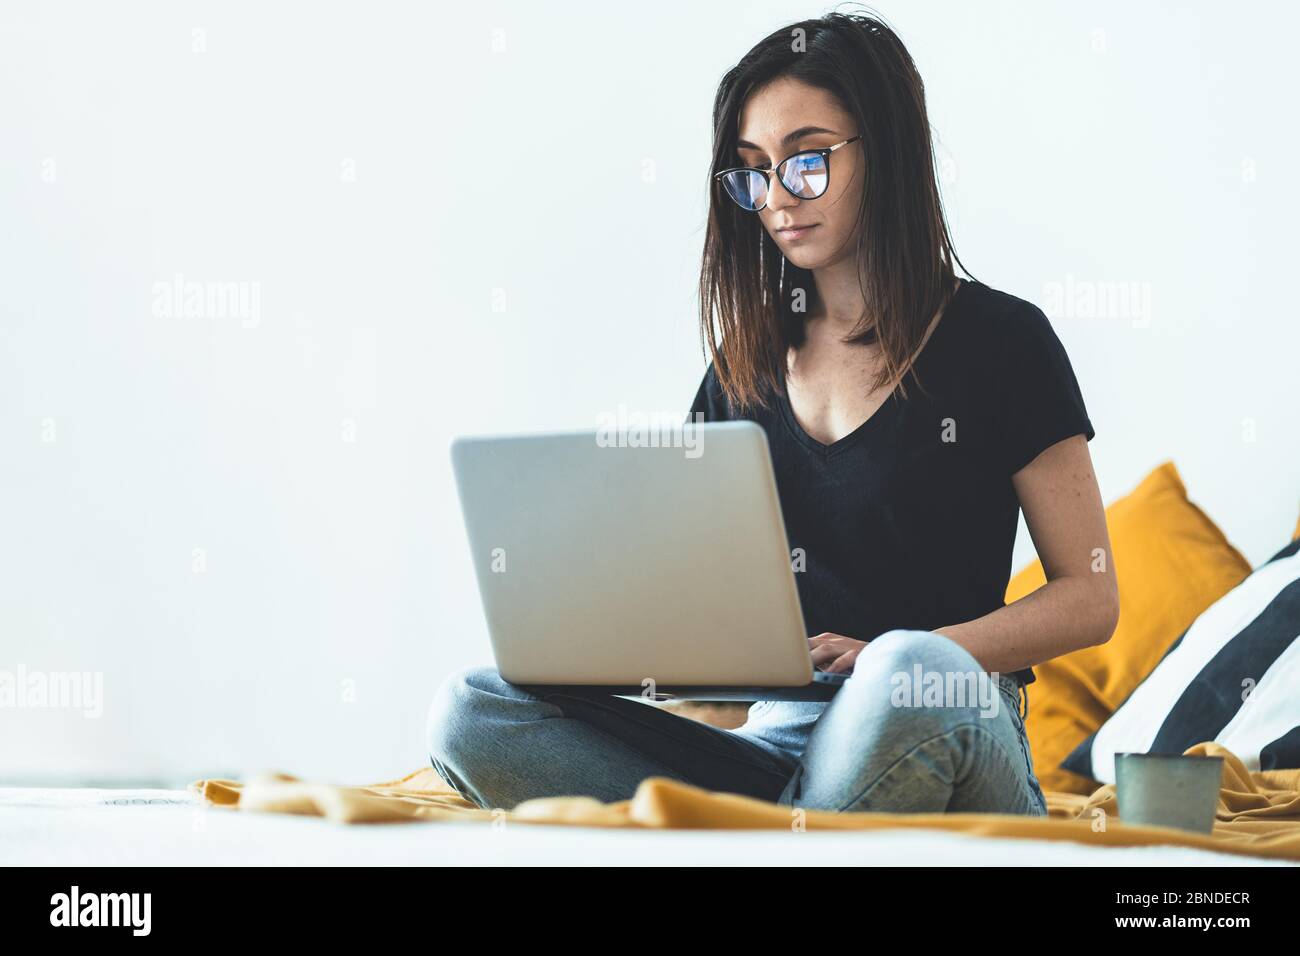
x=876 y=418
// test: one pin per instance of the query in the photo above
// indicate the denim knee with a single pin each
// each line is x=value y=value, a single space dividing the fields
x=887 y=667
x=901 y=650
x=455 y=708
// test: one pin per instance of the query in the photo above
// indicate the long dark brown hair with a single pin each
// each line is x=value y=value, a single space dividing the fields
x=904 y=249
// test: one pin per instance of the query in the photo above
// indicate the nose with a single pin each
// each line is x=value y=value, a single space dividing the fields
x=778 y=197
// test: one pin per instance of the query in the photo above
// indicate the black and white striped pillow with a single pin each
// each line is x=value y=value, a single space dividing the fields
x=1232 y=677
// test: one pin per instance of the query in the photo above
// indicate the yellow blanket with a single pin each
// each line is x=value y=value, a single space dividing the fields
x=1258 y=813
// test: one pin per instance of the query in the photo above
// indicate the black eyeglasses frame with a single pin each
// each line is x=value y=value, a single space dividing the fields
x=824 y=152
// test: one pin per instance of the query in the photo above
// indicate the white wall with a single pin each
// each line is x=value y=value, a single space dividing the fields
x=375 y=173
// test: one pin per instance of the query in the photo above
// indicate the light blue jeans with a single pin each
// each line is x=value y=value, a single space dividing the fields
x=918 y=728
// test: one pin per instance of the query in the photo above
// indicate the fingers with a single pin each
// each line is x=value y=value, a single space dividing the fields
x=840 y=640
x=824 y=654
x=834 y=653
x=843 y=664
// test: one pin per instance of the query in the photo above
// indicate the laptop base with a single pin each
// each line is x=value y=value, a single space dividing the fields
x=823 y=687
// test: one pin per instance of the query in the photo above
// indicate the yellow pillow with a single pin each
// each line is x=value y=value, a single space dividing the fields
x=1172 y=562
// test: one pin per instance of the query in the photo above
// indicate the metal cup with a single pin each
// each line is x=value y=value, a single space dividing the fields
x=1168 y=790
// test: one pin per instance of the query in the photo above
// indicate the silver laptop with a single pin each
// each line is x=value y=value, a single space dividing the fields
x=659 y=571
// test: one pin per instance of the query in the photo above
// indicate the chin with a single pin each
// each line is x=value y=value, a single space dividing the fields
x=806 y=258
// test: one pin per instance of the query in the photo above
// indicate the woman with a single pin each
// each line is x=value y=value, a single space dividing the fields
x=911 y=416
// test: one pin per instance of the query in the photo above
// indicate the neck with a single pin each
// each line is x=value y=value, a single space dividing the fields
x=840 y=303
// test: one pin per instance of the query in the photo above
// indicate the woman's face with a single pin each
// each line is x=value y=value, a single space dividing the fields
x=786 y=117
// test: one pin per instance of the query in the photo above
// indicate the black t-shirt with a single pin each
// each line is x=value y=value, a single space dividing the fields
x=910 y=520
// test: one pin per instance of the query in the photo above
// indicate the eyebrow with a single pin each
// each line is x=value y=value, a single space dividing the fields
x=790 y=138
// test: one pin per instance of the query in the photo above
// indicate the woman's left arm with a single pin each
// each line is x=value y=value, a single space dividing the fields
x=1079 y=605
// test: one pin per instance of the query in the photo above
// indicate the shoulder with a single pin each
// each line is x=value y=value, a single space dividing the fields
x=1028 y=383
x=711 y=385
x=712 y=402
x=989 y=312
x=1002 y=328
x=710 y=399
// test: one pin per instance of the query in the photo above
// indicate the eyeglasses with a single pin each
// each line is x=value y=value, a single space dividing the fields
x=804 y=175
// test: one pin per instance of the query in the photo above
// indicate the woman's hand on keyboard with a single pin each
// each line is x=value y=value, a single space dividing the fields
x=834 y=653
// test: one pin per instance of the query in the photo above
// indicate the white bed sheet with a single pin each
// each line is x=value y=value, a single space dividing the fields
x=93 y=827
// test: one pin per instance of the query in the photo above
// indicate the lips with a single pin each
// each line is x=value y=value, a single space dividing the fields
x=795 y=232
